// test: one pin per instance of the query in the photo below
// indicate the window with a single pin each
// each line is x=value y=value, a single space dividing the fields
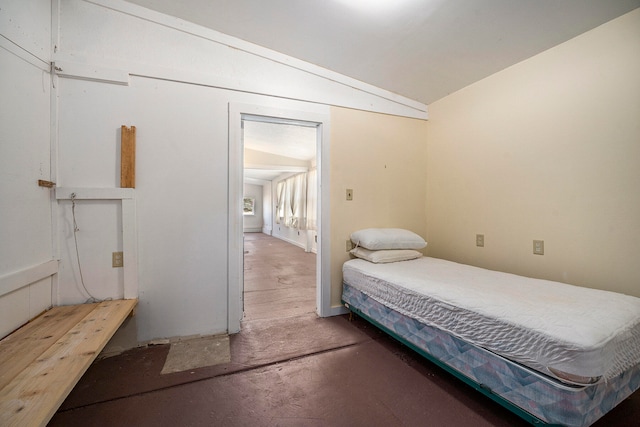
x=248 y=206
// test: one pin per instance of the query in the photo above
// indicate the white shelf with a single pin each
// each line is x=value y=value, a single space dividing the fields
x=84 y=193
x=129 y=231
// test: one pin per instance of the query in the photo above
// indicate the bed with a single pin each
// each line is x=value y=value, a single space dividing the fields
x=551 y=352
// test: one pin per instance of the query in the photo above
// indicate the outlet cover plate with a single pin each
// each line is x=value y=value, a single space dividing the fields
x=538 y=247
x=117 y=259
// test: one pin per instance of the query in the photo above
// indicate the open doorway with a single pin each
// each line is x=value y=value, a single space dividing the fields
x=239 y=113
x=279 y=218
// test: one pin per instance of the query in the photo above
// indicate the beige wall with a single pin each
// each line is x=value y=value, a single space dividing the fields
x=548 y=149
x=382 y=158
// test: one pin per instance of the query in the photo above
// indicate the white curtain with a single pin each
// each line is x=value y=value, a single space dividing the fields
x=288 y=202
x=295 y=204
x=294 y=196
x=299 y=201
x=280 y=201
x=312 y=200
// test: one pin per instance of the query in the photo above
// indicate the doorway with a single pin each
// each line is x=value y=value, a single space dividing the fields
x=239 y=113
x=279 y=218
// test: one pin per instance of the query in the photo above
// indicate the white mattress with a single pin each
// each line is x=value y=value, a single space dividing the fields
x=549 y=326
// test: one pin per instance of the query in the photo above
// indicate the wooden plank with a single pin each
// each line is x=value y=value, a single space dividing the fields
x=47 y=184
x=128 y=157
x=35 y=394
x=23 y=346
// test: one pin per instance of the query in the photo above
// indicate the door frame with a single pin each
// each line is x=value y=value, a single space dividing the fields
x=235 y=273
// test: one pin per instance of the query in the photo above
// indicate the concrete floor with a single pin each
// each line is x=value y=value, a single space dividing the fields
x=293 y=370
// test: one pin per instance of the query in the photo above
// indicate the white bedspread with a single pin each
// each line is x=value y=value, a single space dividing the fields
x=539 y=323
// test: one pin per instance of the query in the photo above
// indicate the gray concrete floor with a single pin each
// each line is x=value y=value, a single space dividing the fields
x=290 y=369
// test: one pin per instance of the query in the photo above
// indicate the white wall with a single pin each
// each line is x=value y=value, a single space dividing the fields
x=181 y=194
x=254 y=223
x=291 y=235
x=124 y=65
x=267 y=208
x=25 y=209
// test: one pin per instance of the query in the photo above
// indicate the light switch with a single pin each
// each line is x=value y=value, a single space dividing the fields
x=480 y=240
x=349 y=194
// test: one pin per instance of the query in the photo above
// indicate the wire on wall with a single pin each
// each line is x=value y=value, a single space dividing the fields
x=75 y=239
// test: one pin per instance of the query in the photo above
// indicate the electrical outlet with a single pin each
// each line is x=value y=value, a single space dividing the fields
x=349 y=245
x=349 y=194
x=538 y=247
x=480 y=240
x=117 y=259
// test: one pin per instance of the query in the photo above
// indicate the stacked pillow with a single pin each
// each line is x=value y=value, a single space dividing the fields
x=381 y=245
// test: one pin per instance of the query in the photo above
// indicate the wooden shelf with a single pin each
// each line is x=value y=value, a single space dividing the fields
x=42 y=361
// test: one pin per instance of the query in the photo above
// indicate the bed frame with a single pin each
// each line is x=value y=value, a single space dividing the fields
x=535 y=397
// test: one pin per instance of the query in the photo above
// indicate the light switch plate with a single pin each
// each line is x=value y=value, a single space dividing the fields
x=538 y=247
x=480 y=240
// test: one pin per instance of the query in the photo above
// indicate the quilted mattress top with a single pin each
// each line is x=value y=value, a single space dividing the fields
x=573 y=333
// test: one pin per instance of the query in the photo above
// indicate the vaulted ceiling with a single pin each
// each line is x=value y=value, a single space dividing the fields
x=421 y=49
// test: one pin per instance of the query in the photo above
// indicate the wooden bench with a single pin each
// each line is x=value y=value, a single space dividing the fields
x=41 y=362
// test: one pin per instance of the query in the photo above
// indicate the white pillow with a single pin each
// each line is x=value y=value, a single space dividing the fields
x=384 y=256
x=387 y=238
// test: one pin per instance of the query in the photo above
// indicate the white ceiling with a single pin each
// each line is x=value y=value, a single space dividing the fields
x=297 y=142
x=421 y=49
x=292 y=141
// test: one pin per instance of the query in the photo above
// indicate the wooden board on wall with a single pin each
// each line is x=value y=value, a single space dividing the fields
x=128 y=157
